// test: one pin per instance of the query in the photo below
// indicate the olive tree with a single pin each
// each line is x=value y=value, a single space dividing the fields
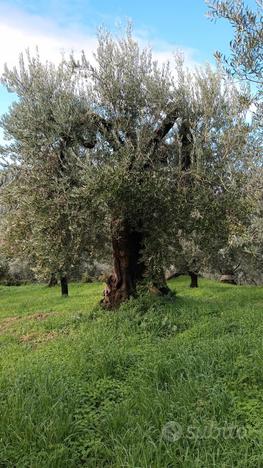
x=44 y=220
x=177 y=137
x=245 y=63
x=120 y=154
x=212 y=139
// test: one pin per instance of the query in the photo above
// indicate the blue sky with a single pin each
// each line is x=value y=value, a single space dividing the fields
x=56 y=25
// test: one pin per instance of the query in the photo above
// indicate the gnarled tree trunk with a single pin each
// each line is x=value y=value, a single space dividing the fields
x=128 y=268
x=194 y=279
x=64 y=285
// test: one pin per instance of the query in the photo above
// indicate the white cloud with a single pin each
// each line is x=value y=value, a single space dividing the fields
x=164 y=51
x=164 y=56
x=19 y=31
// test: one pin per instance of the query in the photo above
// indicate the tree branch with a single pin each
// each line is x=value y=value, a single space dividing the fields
x=163 y=130
x=106 y=127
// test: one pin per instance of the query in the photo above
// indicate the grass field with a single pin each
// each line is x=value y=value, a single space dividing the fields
x=160 y=383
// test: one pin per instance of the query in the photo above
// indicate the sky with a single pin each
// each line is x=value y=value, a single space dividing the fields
x=57 y=26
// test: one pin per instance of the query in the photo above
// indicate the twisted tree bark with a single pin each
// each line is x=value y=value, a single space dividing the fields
x=128 y=267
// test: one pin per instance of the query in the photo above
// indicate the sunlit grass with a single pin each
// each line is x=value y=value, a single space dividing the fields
x=83 y=387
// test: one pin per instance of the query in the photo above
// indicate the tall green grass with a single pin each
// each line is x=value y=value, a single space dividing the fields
x=159 y=383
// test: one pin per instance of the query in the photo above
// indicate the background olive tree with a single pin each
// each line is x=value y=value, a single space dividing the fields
x=246 y=64
x=45 y=221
